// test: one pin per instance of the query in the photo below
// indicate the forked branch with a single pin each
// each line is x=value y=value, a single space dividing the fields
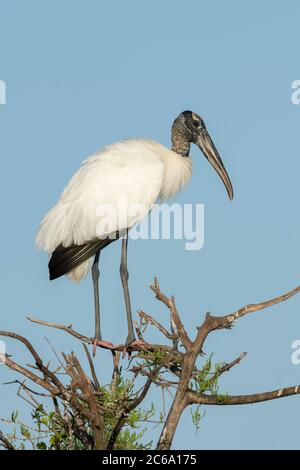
x=181 y=360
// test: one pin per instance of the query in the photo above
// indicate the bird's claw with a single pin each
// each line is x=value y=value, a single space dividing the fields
x=129 y=341
x=100 y=342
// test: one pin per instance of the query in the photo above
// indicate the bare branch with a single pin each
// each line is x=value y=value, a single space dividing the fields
x=48 y=375
x=30 y=375
x=28 y=389
x=242 y=399
x=256 y=307
x=4 y=442
x=82 y=396
x=25 y=341
x=81 y=380
x=226 y=367
x=116 y=356
x=138 y=331
x=170 y=303
x=92 y=368
x=136 y=346
x=147 y=318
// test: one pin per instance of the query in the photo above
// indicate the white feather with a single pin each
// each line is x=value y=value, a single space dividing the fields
x=134 y=172
x=80 y=272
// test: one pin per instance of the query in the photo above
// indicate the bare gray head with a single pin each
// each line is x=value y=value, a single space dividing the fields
x=189 y=128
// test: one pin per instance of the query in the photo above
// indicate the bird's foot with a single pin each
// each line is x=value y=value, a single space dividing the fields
x=100 y=342
x=129 y=341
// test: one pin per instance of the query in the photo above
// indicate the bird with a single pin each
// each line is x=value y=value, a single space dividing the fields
x=90 y=213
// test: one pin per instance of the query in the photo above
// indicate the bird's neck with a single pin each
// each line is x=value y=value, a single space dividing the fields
x=180 y=140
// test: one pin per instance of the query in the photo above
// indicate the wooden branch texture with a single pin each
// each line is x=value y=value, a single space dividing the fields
x=179 y=359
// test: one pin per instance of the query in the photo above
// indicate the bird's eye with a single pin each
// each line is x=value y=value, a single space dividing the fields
x=196 y=123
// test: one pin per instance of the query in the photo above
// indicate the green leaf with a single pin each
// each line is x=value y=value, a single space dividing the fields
x=41 y=446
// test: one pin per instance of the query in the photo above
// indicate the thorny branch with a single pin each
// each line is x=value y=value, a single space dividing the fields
x=81 y=395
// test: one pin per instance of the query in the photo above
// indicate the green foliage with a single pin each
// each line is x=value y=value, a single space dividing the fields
x=155 y=358
x=205 y=381
x=222 y=399
x=116 y=400
x=196 y=417
x=59 y=431
x=124 y=420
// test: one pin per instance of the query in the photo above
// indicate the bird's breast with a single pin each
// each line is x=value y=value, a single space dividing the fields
x=178 y=171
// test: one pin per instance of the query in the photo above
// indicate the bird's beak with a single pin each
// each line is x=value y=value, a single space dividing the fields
x=206 y=145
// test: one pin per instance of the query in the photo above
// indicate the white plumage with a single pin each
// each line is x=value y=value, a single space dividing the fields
x=111 y=192
x=129 y=174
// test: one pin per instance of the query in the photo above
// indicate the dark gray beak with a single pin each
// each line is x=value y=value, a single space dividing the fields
x=207 y=147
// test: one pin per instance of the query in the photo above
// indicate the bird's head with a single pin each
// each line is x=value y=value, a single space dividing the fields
x=189 y=128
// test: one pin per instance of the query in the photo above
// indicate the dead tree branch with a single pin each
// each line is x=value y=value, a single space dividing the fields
x=243 y=399
x=195 y=382
x=136 y=346
x=193 y=349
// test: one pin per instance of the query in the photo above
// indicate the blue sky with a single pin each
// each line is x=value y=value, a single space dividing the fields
x=80 y=75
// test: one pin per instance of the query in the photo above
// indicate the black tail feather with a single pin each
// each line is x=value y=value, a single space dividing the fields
x=63 y=260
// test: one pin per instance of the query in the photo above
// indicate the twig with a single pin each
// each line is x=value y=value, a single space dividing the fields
x=170 y=303
x=173 y=332
x=226 y=367
x=147 y=318
x=81 y=381
x=80 y=396
x=30 y=375
x=138 y=330
x=22 y=384
x=136 y=346
x=116 y=355
x=92 y=368
x=4 y=442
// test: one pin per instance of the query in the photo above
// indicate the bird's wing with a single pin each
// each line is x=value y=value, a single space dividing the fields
x=112 y=191
x=63 y=260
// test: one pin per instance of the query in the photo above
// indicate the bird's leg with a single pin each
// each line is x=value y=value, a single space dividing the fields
x=95 y=276
x=124 y=278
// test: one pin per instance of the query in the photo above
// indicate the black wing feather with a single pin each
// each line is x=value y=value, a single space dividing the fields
x=64 y=259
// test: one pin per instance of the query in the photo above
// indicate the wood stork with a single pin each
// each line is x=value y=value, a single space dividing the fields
x=75 y=230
